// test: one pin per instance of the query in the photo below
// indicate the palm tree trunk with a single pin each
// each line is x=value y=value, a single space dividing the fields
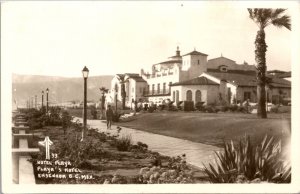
x=123 y=94
x=260 y=57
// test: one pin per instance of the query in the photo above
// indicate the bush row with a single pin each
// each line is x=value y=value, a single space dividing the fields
x=189 y=106
x=54 y=117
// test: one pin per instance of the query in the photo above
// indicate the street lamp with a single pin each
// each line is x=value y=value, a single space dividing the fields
x=31 y=98
x=116 y=96
x=85 y=74
x=42 y=99
x=47 y=91
x=35 y=101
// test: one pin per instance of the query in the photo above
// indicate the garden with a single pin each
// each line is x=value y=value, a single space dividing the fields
x=104 y=157
x=115 y=159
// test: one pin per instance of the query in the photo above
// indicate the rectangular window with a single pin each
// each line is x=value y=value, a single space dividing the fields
x=158 y=88
x=164 y=88
x=170 y=83
x=198 y=61
x=153 y=88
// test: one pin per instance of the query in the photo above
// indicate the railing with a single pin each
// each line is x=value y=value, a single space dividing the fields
x=22 y=169
x=161 y=74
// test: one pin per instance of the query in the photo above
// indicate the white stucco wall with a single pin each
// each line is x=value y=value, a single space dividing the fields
x=161 y=80
x=115 y=81
x=194 y=65
x=209 y=93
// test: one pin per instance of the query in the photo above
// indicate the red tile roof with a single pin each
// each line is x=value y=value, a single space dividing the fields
x=196 y=81
x=235 y=78
x=134 y=76
x=195 y=53
x=248 y=80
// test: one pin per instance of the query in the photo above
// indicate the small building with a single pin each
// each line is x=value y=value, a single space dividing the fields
x=134 y=88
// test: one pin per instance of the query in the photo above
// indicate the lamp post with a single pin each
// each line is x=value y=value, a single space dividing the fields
x=42 y=99
x=85 y=74
x=47 y=91
x=35 y=101
x=116 y=96
x=267 y=89
x=31 y=98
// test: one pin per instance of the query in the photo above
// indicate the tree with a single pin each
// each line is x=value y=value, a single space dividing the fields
x=264 y=18
x=66 y=119
x=103 y=91
x=123 y=92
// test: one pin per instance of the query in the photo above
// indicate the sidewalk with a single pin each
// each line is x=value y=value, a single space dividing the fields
x=196 y=153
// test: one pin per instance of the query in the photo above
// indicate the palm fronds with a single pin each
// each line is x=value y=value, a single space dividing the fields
x=264 y=17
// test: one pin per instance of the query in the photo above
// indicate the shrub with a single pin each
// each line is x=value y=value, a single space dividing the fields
x=188 y=105
x=146 y=107
x=224 y=108
x=170 y=106
x=175 y=171
x=242 y=109
x=233 y=107
x=199 y=106
x=77 y=151
x=139 y=147
x=151 y=109
x=94 y=112
x=142 y=145
x=274 y=109
x=66 y=120
x=246 y=163
x=124 y=143
x=116 y=117
x=211 y=109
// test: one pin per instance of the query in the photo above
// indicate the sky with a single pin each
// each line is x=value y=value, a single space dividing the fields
x=60 y=38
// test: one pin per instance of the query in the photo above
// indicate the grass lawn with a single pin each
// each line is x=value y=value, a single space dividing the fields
x=78 y=112
x=213 y=128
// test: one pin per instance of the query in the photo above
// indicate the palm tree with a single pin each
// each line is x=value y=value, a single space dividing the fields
x=123 y=92
x=103 y=90
x=264 y=18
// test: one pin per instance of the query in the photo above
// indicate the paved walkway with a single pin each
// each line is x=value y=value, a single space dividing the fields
x=196 y=153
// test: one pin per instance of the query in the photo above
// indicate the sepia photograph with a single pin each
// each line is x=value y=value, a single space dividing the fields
x=149 y=96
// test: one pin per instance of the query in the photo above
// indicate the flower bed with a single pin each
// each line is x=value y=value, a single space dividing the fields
x=102 y=158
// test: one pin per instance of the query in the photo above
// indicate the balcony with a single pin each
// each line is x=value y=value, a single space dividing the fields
x=156 y=93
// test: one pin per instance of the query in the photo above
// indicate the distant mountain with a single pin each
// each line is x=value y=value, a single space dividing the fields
x=61 y=89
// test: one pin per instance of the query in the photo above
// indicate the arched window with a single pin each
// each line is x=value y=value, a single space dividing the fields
x=198 y=96
x=189 y=95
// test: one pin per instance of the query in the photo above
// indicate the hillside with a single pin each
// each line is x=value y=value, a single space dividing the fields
x=61 y=89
